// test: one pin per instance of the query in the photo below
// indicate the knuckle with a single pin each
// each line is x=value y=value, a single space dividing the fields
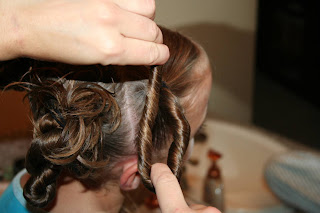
x=107 y=13
x=154 y=31
x=150 y=8
x=111 y=49
x=165 y=178
x=154 y=54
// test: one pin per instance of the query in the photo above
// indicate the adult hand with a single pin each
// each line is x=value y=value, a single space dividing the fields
x=169 y=193
x=82 y=31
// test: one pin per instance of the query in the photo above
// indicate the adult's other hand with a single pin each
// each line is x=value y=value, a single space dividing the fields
x=103 y=32
x=169 y=193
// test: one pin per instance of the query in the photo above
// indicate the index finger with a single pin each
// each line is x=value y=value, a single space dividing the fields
x=168 y=190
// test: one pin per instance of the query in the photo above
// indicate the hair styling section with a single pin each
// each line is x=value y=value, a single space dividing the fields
x=87 y=118
x=144 y=140
x=144 y=137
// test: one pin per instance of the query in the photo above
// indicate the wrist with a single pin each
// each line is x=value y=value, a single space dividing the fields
x=11 y=41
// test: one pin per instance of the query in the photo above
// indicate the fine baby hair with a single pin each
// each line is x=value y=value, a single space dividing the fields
x=87 y=118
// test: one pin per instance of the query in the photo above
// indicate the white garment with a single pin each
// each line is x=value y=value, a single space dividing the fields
x=295 y=178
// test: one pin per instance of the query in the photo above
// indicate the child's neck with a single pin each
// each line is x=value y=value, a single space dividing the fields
x=72 y=196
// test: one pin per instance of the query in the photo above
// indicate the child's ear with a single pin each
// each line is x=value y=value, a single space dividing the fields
x=130 y=179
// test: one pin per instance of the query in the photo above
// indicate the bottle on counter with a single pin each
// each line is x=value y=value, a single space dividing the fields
x=213 y=185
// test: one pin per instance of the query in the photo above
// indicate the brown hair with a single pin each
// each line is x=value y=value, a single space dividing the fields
x=87 y=117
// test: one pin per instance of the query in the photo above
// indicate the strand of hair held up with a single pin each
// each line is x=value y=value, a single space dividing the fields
x=144 y=138
x=181 y=132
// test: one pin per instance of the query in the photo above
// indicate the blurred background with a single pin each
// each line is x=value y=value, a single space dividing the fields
x=265 y=60
x=265 y=63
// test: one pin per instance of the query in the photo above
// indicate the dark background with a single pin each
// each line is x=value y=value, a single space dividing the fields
x=286 y=98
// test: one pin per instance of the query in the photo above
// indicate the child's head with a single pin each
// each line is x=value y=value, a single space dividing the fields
x=87 y=124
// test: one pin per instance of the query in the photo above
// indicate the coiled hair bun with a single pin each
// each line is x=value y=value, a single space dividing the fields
x=68 y=117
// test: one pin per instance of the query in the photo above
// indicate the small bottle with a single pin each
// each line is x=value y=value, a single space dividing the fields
x=213 y=185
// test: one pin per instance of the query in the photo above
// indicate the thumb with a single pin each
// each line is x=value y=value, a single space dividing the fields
x=168 y=190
